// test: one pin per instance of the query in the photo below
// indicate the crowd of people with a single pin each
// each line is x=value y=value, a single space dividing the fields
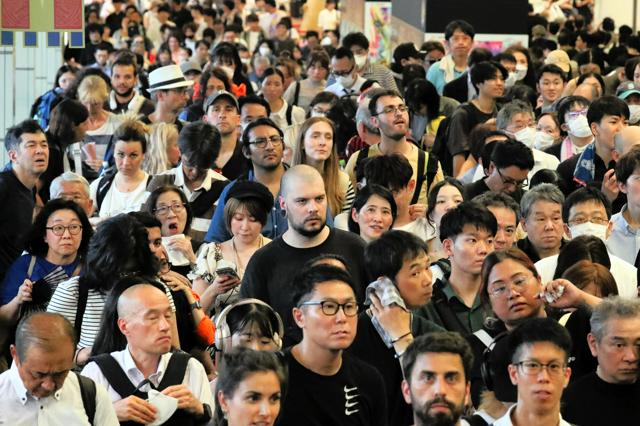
x=233 y=214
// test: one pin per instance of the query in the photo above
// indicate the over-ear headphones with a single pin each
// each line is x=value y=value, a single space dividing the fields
x=222 y=328
x=486 y=370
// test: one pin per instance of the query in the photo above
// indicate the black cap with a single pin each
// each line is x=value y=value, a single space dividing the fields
x=404 y=51
x=245 y=189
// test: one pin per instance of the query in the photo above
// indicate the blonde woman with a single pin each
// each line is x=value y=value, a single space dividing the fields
x=316 y=149
x=163 y=152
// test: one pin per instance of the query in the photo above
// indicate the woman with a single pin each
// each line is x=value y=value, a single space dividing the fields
x=245 y=213
x=444 y=196
x=42 y=107
x=56 y=245
x=175 y=44
x=317 y=149
x=225 y=55
x=164 y=153
x=547 y=131
x=302 y=92
x=120 y=246
x=525 y=72
x=248 y=390
x=593 y=278
x=212 y=80
x=124 y=189
x=373 y=213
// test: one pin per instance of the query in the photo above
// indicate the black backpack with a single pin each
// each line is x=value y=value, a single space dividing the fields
x=88 y=394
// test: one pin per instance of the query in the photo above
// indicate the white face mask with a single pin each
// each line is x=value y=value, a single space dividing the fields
x=526 y=136
x=634 y=114
x=264 y=51
x=346 y=81
x=228 y=70
x=521 y=71
x=542 y=140
x=589 y=228
x=511 y=80
x=245 y=61
x=579 y=127
x=360 y=60
x=326 y=41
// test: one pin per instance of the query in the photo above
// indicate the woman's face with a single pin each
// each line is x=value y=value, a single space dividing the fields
x=318 y=141
x=66 y=80
x=214 y=84
x=174 y=44
x=81 y=130
x=374 y=218
x=164 y=57
x=320 y=109
x=173 y=222
x=67 y=244
x=251 y=337
x=548 y=125
x=173 y=151
x=317 y=72
x=256 y=400
x=448 y=198
x=272 y=87
x=128 y=157
x=521 y=59
x=245 y=227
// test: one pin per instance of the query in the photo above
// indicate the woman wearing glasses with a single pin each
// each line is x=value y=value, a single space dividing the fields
x=55 y=247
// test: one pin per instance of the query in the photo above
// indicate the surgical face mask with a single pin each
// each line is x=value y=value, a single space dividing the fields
x=360 y=60
x=579 y=127
x=264 y=51
x=589 y=228
x=526 y=136
x=634 y=114
x=326 y=41
x=521 y=71
x=245 y=61
x=228 y=70
x=511 y=80
x=346 y=81
x=542 y=140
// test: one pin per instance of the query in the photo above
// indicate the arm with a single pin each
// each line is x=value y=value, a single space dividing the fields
x=9 y=312
x=217 y=230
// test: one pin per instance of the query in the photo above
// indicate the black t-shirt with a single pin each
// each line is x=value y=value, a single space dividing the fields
x=590 y=401
x=355 y=395
x=237 y=164
x=369 y=347
x=15 y=218
x=463 y=120
x=270 y=272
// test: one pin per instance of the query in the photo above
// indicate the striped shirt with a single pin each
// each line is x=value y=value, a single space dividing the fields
x=381 y=74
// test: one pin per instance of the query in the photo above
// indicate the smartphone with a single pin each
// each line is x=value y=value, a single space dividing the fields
x=227 y=271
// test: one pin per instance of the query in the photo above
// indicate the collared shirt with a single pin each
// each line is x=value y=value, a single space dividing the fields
x=339 y=90
x=195 y=378
x=64 y=407
x=506 y=419
x=624 y=241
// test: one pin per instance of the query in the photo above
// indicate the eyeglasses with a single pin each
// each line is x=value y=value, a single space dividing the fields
x=575 y=114
x=58 y=230
x=519 y=283
x=164 y=210
x=275 y=140
x=343 y=73
x=330 y=308
x=391 y=109
x=509 y=181
x=533 y=368
x=582 y=220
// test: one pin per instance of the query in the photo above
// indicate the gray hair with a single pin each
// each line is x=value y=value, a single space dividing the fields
x=56 y=184
x=364 y=116
x=612 y=307
x=543 y=192
x=507 y=112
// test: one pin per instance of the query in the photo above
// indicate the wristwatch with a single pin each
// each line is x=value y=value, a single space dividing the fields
x=196 y=305
x=206 y=415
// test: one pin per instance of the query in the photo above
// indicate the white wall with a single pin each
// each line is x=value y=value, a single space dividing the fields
x=621 y=11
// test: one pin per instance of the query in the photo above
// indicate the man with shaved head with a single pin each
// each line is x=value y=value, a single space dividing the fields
x=38 y=389
x=270 y=270
x=147 y=364
x=624 y=140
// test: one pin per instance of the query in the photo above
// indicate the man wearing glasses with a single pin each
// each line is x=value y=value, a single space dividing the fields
x=327 y=387
x=347 y=79
x=168 y=88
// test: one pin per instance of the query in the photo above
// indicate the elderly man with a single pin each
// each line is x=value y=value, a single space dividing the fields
x=624 y=140
x=38 y=389
x=72 y=186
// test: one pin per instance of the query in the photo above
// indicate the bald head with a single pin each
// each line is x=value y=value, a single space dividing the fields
x=44 y=330
x=300 y=175
x=587 y=91
x=133 y=299
x=626 y=139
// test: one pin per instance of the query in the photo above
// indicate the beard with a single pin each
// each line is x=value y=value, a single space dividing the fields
x=124 y=94
x=308 y=232
x=439 y=419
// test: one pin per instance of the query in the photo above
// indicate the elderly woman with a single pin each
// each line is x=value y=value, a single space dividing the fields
x=56 y=245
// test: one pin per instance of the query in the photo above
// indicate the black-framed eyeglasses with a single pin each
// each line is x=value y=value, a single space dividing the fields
x=275 y=140
x=392 y=109
x=330 y=308
x=509 y=181
x=533 y=368
x=164 y=210
x=58 y=230
x=343 y=73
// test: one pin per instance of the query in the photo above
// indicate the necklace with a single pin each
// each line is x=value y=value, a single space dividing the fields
x=237 y=256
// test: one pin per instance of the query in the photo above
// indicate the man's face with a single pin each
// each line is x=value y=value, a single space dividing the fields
x=468 y=249
x=250 y=113
x=123 y=79
x=632 y=188
x=540 y=392
x=268 y=157
x=414 y=281
x=148 y=327
x=518 y=122
x=437 y=388
x=460 y=44
x=550 y=87
x=507 y=225
x=32 y=154
x=588 y=211
x=618 y=352
x=95 y=37
x=192 y=172
x=544 y=225
x=306 y=206
x=74 y=191
x=174 y=99
x=392 y=118
x=493 y=88
x=273 y=87
x=328 y=332
x=43 y=372
x=606 y=129
x=342 y=67
x=101 y=57
x=224 y=115
x=508 y=180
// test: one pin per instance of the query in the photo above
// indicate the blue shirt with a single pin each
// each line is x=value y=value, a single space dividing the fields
x=436 y=76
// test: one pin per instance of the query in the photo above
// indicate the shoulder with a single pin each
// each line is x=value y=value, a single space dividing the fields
x=362 y=371
x=345 y=237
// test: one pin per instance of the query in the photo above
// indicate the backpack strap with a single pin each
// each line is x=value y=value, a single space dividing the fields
x=176 y=369
x=117 y=378
x=431 y=169
x=103 y=187
x=449 y=319
x=289 y=114
x=83 y=296
x=296 y=94
x=32 y=264
x=484 y=337
x=422 y=158
x=88 y=394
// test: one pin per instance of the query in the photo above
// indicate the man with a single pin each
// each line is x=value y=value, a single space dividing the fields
x=632 y=98
x=551 y=80
x=38 y=388
x=114 y=20
x=358 y=44
x=124 y=97
x=169 y=88
x=506 y=211
x=624 y=140
x=517 y=120
x=444 y=359
x=326 y=386
x=508 y=171
x=94 y=32
x=72 y=186
x=572 y=117
x=28 y=152
x=179 y=13
x=461 y=88
x=390 y=115
x=606 y=116
x=467 y=233
x=270 y=18
x=542 y=220
x=199 y=145
x=539 y=351
x=268 y=274
x=144 y=318
x=348 y=80
x=223 y=112
x=368 y=135
x=614 y=340
x=624 y=239
x=101 y=56
x=459 y=40
x=252 y=108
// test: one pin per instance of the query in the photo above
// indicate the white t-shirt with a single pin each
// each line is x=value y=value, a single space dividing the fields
x=116 y=202
x=329 y=19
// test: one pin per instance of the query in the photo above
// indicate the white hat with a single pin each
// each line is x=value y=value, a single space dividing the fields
x=167 y=77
